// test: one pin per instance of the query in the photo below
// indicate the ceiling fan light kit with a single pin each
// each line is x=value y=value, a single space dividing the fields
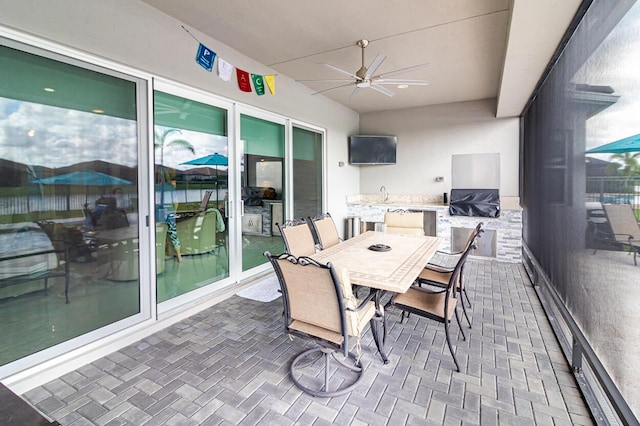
x=364 y=78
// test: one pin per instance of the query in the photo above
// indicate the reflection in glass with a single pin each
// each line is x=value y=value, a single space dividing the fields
x=262 y=177
x=68 y=202
x=590 y=99
x=307 y=173
x=191 y=189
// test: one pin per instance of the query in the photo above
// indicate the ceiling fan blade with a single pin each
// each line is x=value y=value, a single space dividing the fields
x=382 y=90
x=401 y=81
x=375 y=64
x=332 y=88
x=341 y=71
x=354 y=93
x=400 y=71
x=329 y=80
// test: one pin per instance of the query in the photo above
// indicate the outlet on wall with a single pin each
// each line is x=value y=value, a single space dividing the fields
x=439 y=178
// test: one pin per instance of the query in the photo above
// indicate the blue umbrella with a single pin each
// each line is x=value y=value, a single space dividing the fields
x=83 y=177
x=210 y=160
x=630 y=144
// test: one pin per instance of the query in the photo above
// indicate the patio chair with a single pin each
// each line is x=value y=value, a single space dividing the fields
x=448 y=259
x=319 y=306
x=436 y=304
x=445 y=262
x=404 y=222
x=325 y=230
x=297 y=236
x=624 y=227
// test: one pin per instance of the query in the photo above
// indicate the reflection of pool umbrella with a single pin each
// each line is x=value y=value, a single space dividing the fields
x=83 y=178
x=214 y=160
x=630 y=144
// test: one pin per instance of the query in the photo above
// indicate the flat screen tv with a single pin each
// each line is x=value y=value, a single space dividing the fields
x=372 y=149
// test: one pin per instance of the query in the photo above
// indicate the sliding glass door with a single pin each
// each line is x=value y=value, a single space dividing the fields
x=307 y=172
x=69 y=212
x=262 y=187
x=191 y=151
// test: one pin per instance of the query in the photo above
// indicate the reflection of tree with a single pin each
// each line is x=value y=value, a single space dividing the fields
x=161 y=142
x=624 y=164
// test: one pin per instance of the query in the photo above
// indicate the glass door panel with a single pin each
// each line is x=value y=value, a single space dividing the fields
x=68 y=201
x=307 y=173
x=191 y=178
x=262 y=188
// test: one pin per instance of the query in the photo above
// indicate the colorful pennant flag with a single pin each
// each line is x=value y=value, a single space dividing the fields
x=258 y=84
x=271 y=83
x=243 y=80
x=205 y=57
x=224 y=69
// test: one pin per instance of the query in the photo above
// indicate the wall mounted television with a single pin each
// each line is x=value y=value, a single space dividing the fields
x=372 y=149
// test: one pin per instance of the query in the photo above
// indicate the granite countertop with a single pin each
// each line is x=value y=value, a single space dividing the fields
x=420 y=201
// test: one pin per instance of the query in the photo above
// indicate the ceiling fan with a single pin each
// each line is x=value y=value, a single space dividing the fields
x=365 y=78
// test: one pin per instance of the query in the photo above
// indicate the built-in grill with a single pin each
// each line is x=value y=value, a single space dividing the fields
x=475 y=202
x=474 y=185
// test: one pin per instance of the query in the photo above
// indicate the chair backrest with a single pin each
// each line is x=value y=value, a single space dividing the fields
x=325 y=230
x=313 y=297
x=404 y=222
x=474 y=235
x=297 y=236
x=205 y=201
x=622 y=221
x=456 y=275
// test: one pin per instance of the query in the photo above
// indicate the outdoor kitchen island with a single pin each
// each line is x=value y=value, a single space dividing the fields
x=502 y=239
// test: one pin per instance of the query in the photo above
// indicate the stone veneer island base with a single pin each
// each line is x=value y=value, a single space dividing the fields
x=506 y=229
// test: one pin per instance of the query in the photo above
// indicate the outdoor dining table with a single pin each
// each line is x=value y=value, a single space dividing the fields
x=382 y=271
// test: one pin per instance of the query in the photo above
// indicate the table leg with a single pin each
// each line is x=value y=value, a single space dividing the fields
x=379 y=337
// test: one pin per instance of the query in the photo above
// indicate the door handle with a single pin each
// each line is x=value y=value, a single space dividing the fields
x=241 y=208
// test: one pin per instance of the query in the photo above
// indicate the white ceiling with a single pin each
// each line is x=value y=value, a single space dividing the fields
x=476 y=49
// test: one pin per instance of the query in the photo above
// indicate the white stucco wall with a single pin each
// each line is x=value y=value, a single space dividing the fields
x=134 y=34
x=429 y=136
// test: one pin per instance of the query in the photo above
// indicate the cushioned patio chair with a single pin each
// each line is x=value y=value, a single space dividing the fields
x=319 y=306
x=197 y=234
x=297 y=236
x=404 y=222
x=437 y=304
x=624 y=227
x=325 y=230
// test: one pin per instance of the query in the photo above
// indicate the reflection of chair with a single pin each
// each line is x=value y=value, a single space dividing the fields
x=624 y=227
x=438 y=305
x=325 y=230
x=197 y=234
x=297 y=237
x=66 y=237
x=107 y=216
x=119 y=259
x=319 y=306
x=404 y=222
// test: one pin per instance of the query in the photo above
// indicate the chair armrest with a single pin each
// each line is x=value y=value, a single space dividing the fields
x=456 y=253
x=438 y=268
x=365 y=301
x=427 y=290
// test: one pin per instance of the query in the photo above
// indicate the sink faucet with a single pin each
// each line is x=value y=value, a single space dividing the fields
x=385 y=196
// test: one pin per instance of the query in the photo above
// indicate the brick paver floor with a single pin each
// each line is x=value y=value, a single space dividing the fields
x=229 y=365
